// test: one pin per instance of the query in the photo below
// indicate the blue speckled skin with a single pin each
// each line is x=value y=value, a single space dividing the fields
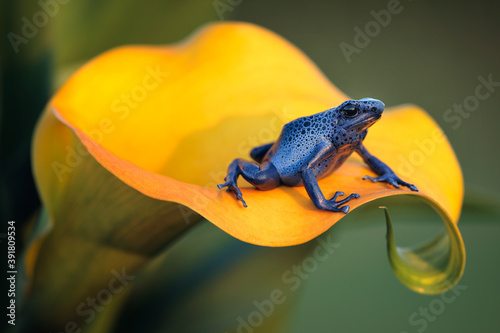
x=299 y=137
x=312 y=147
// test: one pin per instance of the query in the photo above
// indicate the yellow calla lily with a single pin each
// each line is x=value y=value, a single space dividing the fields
x=140 y=129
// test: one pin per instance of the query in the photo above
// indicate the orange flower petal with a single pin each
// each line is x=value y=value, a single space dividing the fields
x=168 y=120
x=286 y=216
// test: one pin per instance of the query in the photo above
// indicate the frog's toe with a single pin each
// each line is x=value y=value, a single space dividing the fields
x=221 y=186
x=336 y=195
x=413 y=187
x=340 y=205
x=344 y=201
x=373 y=179
x=394 y=183
x=392 y=180
x=237 y=192
x=336 y=207
x=233 y=188
x=240 y=198
x=410 y=186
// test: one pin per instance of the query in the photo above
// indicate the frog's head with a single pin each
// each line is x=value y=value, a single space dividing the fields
x=357 y=116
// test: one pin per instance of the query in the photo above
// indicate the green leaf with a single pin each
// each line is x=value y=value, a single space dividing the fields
x=212 y=282
x=119 y=22
x=430 y=268
x=100 y=229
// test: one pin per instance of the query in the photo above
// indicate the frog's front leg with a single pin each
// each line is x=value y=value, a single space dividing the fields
x=264 y=177
x=323 y=150
x=385 y=173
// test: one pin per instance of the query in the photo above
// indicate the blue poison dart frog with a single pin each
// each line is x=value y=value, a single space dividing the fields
x=312 y=147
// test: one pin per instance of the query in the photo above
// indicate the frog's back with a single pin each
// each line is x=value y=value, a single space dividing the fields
x=296 y=143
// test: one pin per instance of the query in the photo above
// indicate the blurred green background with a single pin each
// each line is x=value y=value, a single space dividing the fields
x=430 y=54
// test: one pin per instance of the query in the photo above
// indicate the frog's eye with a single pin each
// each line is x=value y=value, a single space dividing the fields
x=349 y=110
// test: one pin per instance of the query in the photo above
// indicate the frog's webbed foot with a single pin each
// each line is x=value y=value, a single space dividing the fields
x=338 y=206
x=386 y=173
x=319 y=200
x=233 y=187
x=264 y=176
x=392 y=179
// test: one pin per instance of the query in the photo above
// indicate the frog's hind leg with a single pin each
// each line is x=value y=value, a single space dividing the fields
x=259 y=152
x=264 y=177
